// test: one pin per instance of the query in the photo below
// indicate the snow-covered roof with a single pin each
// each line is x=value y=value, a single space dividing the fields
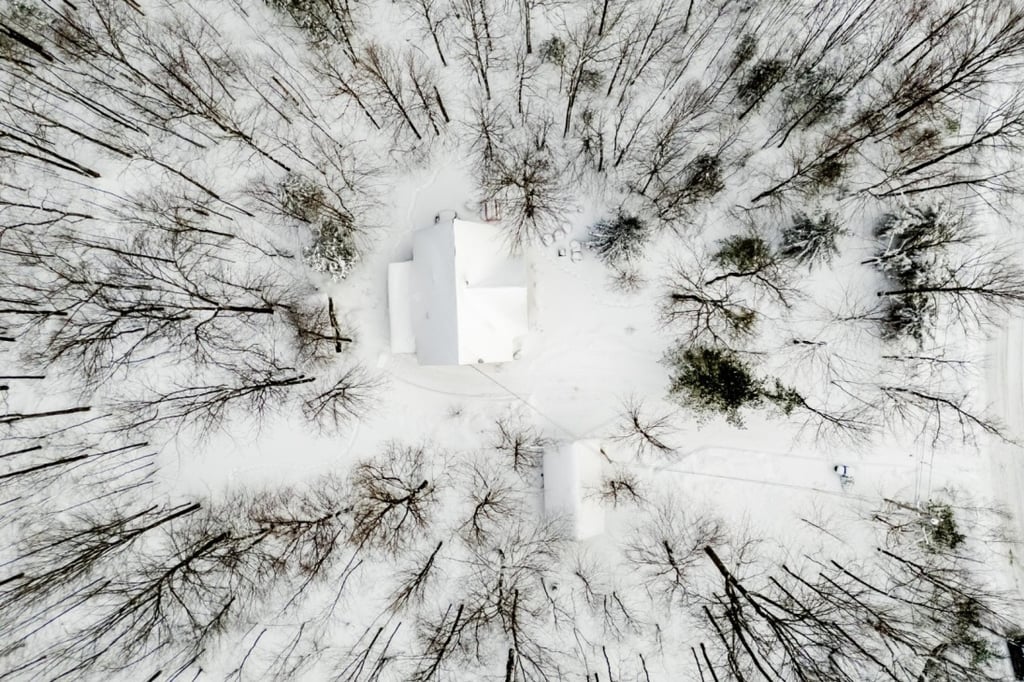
x=400 y=277
x=572 y=475
x=462 y=298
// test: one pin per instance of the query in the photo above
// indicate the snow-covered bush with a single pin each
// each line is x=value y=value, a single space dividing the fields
x=301 y=198
x=932 y=526
x=908 y=316
x=912 y=247
x=811 y=240
x=591 y=80
x=333 y=250
x=323 y=20
x=940 y=527
x=744 y=51
x=619 y=239
x=825 y=174
x=911 y=241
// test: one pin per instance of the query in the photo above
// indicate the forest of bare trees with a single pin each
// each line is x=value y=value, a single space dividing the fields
x=188 y=189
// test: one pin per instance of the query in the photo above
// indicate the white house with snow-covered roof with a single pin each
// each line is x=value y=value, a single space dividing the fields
x=573 y=473
x=461 y=299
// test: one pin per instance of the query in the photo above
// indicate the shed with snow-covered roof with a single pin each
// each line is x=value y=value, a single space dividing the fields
x=461 y=299
x=573 y=474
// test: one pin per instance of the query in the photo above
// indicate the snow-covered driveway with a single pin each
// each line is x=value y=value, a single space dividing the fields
x=1005 y=387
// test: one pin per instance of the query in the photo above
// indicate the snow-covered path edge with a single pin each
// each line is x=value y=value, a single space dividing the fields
x=1005 y=394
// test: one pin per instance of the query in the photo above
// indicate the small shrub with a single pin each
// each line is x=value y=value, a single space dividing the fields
x=301 y=198
x=552 y=51
x=704 y=177
x=920 y=139
x=714 y=381
x=814 y=97
x=627 y=279
x=811 y=240
x=744 y=51
x=745 y=253
x=760 y=78
x=618 y=239
x=941 y=528
x=591 y=80
x=825 y=174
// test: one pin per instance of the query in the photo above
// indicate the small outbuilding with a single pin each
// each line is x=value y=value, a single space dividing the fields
x=461 y=299
x=572 y=475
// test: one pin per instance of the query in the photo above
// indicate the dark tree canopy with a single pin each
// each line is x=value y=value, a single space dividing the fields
x=744 y=253
x=619 y=239
x=760 y=79
x=714 y=380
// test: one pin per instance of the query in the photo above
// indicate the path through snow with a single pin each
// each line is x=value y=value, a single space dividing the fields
x=1005 y=384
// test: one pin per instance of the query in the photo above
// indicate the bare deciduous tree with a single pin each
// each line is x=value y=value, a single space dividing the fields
x=394 y=498
x=524 y=180
x=666 y=545
x=716 y=315
x=900 y=615
x=521 y=443
x=477 y=38
x=645 y=435
x=434 y=16
x=620 y=487
x=335 y=402
x=494 y=500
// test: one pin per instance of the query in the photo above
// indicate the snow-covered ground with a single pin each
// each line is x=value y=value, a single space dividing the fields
x=307 y=112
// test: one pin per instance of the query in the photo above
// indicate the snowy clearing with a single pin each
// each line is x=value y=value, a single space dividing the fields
x=514 y=340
